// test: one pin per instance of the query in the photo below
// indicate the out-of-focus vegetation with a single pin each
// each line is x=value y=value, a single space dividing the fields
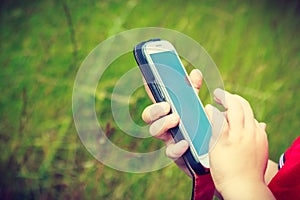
x=255 y=44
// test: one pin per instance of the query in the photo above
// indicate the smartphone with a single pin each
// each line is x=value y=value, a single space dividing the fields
x=168 y=81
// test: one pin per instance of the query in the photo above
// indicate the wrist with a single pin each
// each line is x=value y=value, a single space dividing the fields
x=253 y=188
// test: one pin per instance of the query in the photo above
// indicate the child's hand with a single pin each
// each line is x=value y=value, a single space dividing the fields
x=239 y=158
x=158 y=115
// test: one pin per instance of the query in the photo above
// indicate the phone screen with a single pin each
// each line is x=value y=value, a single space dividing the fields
x=184 y=98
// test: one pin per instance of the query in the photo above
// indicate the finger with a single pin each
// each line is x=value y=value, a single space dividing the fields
x=263 y=135
x=160 y=127
x=263 y=125
x=148 y=91
x=196 y=79
x=176 y=150
x=219 y=123
x=248 y=112
x=233 y=106
x=155 y=111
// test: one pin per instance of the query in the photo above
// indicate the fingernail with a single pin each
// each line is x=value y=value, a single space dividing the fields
x=165 y=106
x=183 y=144
x=217 y=94
x=174 y=117
x=218 y=91
x=161 y=108
x=198 y=71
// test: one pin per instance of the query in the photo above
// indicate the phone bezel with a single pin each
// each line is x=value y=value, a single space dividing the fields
x=163 y=46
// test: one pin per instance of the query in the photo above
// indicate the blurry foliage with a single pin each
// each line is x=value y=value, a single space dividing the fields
x=255 y=44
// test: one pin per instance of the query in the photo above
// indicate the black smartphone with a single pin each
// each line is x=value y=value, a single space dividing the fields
x=168 y=81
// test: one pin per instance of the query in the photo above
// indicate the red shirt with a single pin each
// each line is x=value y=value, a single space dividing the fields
x=284 y=185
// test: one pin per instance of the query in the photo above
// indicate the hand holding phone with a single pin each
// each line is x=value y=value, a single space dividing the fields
x=160 y=119
x=168 y=81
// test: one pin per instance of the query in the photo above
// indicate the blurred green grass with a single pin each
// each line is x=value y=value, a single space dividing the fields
x=255 y=44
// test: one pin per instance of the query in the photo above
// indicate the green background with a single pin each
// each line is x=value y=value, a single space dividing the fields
x=255 y=45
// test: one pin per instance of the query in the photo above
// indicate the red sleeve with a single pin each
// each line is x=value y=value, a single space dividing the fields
x=203 y=188
x=286 y=183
